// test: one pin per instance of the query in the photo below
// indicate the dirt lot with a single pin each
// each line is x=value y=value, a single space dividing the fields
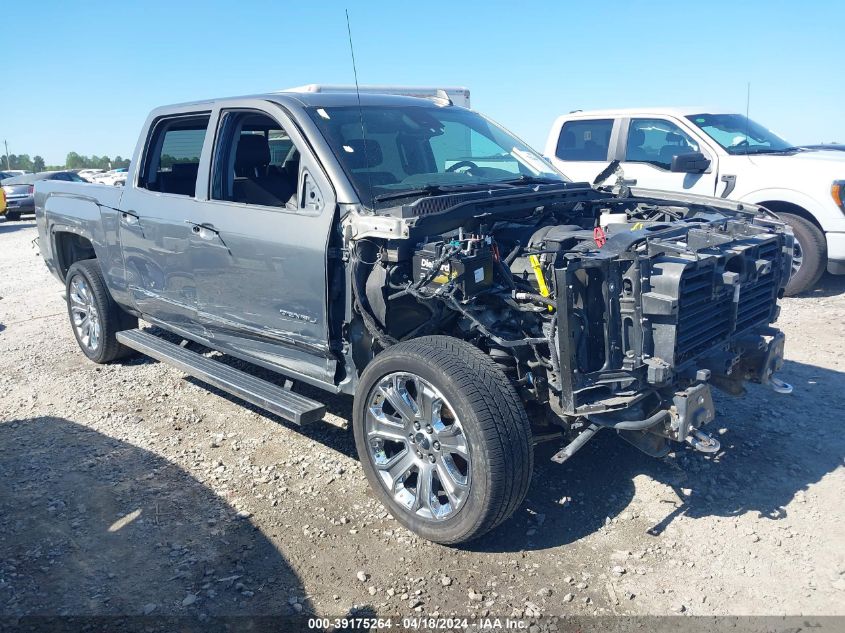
x=128 y=489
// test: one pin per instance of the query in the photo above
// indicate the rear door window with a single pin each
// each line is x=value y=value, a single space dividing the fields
x=584 y=140
x=173 y=155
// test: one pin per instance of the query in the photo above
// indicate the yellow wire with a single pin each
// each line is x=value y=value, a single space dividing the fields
x=538 y=273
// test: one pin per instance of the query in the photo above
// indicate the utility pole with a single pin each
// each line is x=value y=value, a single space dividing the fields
x=8 y=164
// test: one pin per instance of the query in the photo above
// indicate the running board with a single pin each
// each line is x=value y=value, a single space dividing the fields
x=283 y=402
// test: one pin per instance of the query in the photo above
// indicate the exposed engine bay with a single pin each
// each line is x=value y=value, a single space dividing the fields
x=606 y=309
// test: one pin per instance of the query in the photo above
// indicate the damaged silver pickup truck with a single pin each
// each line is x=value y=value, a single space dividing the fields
x=419 y=257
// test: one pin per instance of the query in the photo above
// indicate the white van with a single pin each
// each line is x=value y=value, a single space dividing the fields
x=717 y=153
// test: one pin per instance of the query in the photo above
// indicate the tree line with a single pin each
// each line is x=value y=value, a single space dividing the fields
x=72 y=161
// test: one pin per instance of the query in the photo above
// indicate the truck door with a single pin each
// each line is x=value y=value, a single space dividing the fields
x=154 y=236
x=259 y=243
x=646 y=148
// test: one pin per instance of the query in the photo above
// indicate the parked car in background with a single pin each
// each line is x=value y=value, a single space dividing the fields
x=6 y=174
x=89 y=174
x=16 y=172
x=120 y=175
x=709 y=152
x=19 y=190
x=116 y=177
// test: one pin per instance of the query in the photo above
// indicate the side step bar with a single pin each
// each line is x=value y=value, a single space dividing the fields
x=283 y=402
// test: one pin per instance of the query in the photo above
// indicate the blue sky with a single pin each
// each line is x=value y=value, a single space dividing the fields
x=83 y=76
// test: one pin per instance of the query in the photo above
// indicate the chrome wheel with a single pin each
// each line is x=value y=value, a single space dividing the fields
x=797 y=256
x=418 y=446
x=83 y=313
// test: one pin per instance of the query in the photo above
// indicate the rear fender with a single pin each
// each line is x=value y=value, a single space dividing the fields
x=84 y=215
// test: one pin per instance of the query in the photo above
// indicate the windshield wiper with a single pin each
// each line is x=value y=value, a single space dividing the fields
x=434 y=190
x=751 y=151
x=534 y=180
x=430 y=190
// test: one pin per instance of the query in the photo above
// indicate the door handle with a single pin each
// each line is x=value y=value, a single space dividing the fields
x=197 y=228
x=130 y=218
x=207 y=232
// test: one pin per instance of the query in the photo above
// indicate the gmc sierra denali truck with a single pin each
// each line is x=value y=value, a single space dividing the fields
x=415 y=255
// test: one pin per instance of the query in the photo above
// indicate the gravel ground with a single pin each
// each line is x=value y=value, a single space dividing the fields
x=129 y=489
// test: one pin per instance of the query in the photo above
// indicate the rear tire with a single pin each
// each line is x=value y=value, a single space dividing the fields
x=94 y=316
x=811 y=247
x=481 y=467
x=13 y=216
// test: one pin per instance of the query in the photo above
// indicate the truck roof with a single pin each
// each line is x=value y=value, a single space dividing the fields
x=458 y=94
x=307 y=99
x=677 y=111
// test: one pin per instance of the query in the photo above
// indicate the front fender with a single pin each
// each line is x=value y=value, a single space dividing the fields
x=828 y=215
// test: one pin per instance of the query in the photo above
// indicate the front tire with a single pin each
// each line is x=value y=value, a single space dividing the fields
x=809 y=255
x=94 y=316
x=443 y=438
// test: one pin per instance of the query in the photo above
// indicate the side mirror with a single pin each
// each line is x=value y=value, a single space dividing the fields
x=692 y=163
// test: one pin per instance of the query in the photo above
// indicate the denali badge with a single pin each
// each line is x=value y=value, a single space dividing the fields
x=297 y=317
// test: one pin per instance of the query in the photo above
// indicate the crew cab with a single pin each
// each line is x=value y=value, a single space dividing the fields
x=416 y=256
x=717 y=153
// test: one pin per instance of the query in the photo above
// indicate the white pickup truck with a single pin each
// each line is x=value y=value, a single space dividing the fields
x=713 y=153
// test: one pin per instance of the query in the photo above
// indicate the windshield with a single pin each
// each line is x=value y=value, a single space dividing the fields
x=739 y=135
x=420 y=150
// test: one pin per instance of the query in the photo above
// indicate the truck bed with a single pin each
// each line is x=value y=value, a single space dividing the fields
x=68 y=197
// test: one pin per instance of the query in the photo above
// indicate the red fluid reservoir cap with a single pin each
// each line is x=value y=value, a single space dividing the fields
x=599 y=236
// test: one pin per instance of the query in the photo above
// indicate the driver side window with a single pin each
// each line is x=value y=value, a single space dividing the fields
x=657 y=141
x=459 y=144
x=255 y=162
